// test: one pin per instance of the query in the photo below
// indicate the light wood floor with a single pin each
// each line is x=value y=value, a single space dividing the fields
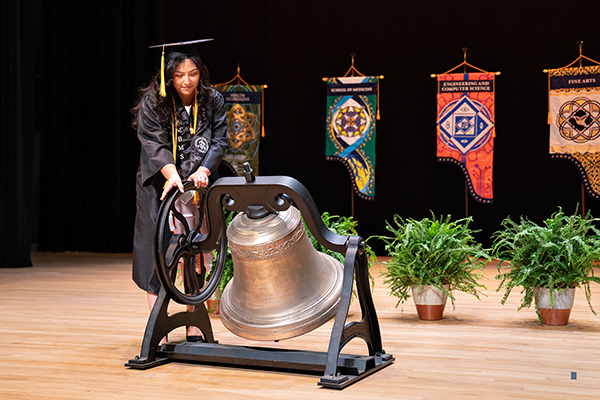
x=69 y=323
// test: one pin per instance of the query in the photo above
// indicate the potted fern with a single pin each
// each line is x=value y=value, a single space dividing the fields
x=430 y=259
x=548 y=262
x=344 y=226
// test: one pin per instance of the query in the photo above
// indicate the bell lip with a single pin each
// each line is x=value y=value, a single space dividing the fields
x=305 y=321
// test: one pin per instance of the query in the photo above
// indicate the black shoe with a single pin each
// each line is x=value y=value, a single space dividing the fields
x=197 y=338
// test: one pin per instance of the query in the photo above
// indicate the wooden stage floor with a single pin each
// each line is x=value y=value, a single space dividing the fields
x=69 y=323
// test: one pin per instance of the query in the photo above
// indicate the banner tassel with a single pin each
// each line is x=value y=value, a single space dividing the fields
x=378 y=116
x=549 y=121
x=262 y=114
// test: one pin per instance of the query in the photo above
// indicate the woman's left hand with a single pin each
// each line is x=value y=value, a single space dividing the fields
x=200 y=177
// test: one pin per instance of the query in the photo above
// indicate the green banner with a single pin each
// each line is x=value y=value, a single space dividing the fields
x=243 y=106
x=351 y=116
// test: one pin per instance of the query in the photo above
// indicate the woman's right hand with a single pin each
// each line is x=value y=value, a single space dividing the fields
x=169 y=171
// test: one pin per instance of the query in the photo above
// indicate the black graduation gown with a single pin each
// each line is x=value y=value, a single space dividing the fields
x=206 y=148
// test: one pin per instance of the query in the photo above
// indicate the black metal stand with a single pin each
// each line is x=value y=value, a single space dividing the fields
x=160 y=323
x=274 y=194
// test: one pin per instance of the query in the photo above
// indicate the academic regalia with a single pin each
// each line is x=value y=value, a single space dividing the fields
x=204 y=148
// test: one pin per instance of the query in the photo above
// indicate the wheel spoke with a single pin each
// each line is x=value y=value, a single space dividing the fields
x=179 y=253
x=178 y=216
x=191 y=282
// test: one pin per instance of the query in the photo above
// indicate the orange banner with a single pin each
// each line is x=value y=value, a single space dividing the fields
x=465 y=128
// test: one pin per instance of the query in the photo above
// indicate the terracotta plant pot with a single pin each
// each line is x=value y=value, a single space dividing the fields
x=213 y=303
x=212 y=306
x=430 y=302
x=560 y=312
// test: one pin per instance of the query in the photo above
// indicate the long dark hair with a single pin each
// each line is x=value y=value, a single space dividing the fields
x=163 y=106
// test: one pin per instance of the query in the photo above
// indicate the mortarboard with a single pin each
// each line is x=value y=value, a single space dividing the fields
x=176 y=49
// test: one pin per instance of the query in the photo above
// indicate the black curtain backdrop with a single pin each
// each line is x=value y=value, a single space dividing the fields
x=93 y=52
x=93 y=56
x=291 y=46
x=16 y=138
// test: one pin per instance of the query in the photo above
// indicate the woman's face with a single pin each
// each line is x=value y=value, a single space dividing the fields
x=185 y=80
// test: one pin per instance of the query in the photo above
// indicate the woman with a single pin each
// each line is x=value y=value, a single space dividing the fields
x=190 y=114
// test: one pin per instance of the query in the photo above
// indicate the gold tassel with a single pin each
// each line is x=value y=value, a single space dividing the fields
x=193 y=130
x=494 y=106
x=262 y=114
x=163 y=90
x=548 y=97
x=174 y=137
x=174 y=133
x=378 y=116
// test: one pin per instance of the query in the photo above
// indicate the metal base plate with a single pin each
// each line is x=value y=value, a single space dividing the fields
x=142 y=363
x=351 y=368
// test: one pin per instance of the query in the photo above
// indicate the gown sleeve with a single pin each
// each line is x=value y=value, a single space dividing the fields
x=220 y=137
x=156 y=150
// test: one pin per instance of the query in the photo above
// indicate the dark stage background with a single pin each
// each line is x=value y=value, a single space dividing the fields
x=73 y=67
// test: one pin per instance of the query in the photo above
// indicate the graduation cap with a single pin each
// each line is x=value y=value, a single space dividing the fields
x=177 y=49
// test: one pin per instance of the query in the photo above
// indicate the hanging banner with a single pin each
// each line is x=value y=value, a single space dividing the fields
x=243 y=107
x=574 y=118
x=465 y=128
x=351 y=116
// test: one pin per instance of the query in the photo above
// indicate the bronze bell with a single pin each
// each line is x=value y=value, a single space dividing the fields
x=282 y=286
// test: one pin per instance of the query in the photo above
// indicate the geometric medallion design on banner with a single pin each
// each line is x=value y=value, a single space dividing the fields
x=577 y=120
x=465 y=125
